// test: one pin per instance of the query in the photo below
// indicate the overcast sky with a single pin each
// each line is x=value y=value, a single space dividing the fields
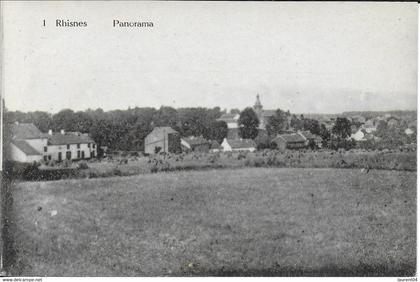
x=305 y=57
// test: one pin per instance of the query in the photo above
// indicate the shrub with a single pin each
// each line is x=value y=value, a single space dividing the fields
x=117 y=172
x=83 y=165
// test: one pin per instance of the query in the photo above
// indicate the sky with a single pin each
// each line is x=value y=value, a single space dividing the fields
x=310 y=57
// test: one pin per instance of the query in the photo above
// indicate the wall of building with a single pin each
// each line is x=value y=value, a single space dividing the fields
x=225 y=145
x=53 y=151
x=169 y=143
x=149 y=148
x=38 y=144
x=15 y=154
x=233 y=133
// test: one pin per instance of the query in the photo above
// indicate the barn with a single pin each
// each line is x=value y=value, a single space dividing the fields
x=195 y=144
x=162 y=140
x=229 y=145
x=289 y=141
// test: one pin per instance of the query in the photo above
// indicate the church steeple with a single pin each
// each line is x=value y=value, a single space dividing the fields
x=257 y=106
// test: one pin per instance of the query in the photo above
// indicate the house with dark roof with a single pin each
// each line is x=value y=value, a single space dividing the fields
x=162 y=140
x=29 y=144
x=314 y=139
x=229 y=145
x=195 y=144
x=70 y=146
x=290 y=141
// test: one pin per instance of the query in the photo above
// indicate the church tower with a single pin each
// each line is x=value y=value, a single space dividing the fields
x=257 y=106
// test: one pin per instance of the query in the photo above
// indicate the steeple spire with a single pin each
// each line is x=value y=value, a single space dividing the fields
x=257 y=106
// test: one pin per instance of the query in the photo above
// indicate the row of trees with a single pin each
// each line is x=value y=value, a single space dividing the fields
x=126 y=129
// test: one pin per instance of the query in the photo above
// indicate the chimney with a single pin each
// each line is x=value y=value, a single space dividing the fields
x=50 y=132
x=62 y=131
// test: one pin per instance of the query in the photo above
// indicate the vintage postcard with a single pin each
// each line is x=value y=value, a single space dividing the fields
x=209 y=139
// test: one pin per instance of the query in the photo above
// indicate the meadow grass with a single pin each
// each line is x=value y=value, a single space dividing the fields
x=250 y=221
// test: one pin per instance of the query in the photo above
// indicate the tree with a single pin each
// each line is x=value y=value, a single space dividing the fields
x=218 y=131
x=166 y=116
x=296 y=123
x=277 y=123
x=342 y=128
x=312 y=125
x=248 y=122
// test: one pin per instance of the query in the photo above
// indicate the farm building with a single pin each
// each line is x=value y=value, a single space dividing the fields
x=29 y=144
x=290 y=141
x=238 y=145
x=162 y=140
x=195 y=144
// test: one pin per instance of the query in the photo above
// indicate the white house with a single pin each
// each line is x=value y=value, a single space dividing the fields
x=358 y=135
x=70 y=146
x=409 y=131
x=29 y=144
x=229 y=145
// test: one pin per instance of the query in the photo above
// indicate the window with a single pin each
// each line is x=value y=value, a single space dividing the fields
x=78 y=154
x=68 y=146
x=78 y=146
x=49 y=157
x=93 y=146
x=88 y=145
x=45 y=148
x=45 y=158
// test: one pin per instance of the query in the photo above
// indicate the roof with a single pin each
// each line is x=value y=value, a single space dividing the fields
x=241 y=143
x=215 y=145
x=229 y=118
x=268 y=113
x=310 y=135
x=26 y=131
x=25 y=147
x=291 y=138
x=194 y=141
x=68 y=138
x=163 y=129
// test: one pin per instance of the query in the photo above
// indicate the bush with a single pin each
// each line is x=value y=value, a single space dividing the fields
x=83 y=165
x=117 y=172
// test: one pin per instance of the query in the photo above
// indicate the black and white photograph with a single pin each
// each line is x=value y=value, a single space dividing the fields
x=222 y=139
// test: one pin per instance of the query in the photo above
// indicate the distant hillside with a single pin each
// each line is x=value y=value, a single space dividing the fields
x=408 y=115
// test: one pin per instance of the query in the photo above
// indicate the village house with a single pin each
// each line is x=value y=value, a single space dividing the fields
x=312 y=139
x=290 y=141
x=162 y=140
x=69 y=146
x=358 y=135
x=195 y=144
x=29 y=144
x=369 y=126
x=231 y=121
x=229 y=145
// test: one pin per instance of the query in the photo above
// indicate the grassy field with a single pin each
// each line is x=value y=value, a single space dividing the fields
x=250 y=221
